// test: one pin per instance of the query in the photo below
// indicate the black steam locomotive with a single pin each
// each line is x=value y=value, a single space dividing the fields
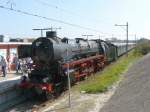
x=52 y=56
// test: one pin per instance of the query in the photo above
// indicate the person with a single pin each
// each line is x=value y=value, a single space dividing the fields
x=17 y=63
x=3 y=65
x=8 y=62
x=23 y=66
x=0 y=64
x=29 y=63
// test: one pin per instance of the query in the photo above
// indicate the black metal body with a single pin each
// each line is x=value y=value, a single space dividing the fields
x=47 y=50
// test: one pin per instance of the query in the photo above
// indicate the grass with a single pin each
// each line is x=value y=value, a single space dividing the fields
x=102 y=81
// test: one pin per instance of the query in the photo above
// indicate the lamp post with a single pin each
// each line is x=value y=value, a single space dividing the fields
x=126 y=25
x=87 y=36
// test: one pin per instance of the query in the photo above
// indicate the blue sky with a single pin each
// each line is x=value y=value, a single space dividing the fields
x=96 y=14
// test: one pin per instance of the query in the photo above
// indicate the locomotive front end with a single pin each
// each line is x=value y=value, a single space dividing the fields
x=42 y=50
x=40 y=79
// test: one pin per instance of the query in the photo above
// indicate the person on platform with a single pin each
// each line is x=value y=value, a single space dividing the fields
x=3 y=65
x=17 y=63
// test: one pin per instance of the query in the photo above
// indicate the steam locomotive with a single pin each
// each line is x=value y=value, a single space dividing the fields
x=54 y=57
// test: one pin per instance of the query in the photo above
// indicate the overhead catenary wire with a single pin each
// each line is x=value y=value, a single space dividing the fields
x=50 y=19
x=72 y=13
x=62 y=9
x=59 y=8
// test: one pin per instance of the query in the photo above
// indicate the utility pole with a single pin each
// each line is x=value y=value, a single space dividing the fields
x=127 y=39
x=52 y=28
x=126 y=25
x=87 y=36
x=135 y=40
x=11 y=2
x=69 y=84
x=100 y=37
x=42 y=29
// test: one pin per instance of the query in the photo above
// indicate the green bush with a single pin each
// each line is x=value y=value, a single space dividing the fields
x=143 y=48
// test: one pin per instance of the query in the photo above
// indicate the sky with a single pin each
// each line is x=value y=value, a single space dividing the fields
x=99 y=15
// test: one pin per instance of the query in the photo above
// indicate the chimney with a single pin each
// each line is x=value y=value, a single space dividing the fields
x=51 y=34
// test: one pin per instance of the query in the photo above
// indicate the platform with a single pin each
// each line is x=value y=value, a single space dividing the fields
x=8 y=88
x=9 y=81
x=9 y=76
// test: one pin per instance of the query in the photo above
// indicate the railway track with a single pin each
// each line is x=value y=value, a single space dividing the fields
x=9 y=97
x=31 y=104
x=12 y=99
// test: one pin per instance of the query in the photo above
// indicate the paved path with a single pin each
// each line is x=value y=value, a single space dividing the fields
x=133 y=93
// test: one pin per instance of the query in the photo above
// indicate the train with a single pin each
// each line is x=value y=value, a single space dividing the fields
x=54 y=58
